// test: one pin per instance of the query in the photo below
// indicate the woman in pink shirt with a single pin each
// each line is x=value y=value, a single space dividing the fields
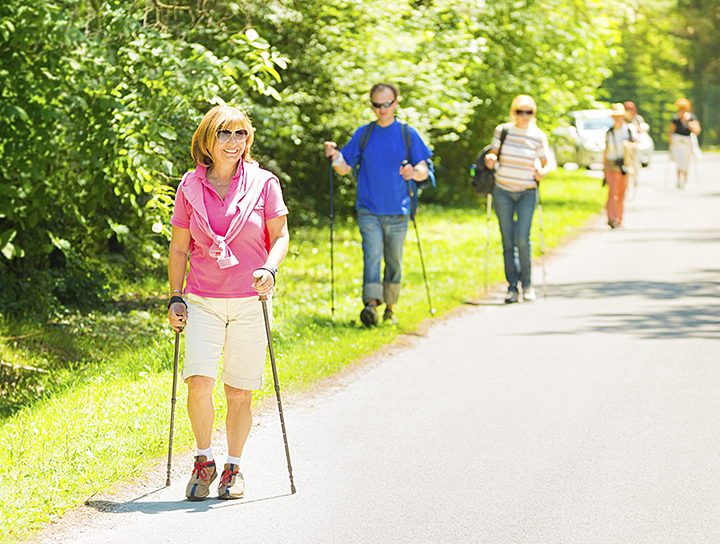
x=229 y=236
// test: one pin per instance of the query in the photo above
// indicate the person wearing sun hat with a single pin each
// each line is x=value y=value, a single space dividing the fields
x=680 y=135
x=614 y=163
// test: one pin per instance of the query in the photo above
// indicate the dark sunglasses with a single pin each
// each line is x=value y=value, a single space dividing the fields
x=378 y=105
x=223 y=135
x=524 y=112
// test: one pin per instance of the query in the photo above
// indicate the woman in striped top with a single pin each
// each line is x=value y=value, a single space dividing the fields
x=516 y=191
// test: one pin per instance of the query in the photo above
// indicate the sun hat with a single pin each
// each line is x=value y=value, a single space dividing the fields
x=618 y=110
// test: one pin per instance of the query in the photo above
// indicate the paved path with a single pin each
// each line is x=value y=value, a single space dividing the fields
x=591 y=417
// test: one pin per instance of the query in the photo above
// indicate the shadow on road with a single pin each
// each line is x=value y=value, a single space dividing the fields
x=157 y=507
x=654 y=290
x=701 y=320
x=683 y=322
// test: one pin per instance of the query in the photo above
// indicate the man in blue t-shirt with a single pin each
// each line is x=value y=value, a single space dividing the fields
x=383 y=200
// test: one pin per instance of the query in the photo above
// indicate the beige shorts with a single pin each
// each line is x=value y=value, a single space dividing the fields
x=681 y=151
x=235 y=326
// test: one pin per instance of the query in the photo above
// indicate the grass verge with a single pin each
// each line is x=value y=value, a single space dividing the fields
x=86 y=400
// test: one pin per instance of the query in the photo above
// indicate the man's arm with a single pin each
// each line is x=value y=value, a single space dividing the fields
x=339 y=164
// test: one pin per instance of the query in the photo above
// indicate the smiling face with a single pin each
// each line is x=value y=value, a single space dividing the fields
x=230 y=152
x=207 y=150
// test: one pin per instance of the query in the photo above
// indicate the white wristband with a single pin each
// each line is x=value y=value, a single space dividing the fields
x=339 y=159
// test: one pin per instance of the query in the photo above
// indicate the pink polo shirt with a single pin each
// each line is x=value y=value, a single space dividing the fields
x=205 y=277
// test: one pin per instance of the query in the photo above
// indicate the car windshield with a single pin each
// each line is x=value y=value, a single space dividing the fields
x=594 y=123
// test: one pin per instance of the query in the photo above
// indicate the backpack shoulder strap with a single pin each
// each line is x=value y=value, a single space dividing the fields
x=366 y=136
x=503 y=135
x=406 y=139
x=363 y=143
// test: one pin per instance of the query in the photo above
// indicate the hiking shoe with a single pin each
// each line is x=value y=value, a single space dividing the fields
x=369 y=316
x=511 y=297
x=529 y=295
x=232 y=483
x=203 y=474
x=389 y=315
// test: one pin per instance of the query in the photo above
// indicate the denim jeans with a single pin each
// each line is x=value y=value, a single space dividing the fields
x=515 y=233
x=382 y=236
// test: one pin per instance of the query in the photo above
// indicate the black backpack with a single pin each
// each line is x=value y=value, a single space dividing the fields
x=483 y=179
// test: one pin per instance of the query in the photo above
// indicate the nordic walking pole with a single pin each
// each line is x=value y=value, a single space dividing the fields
x=542 y=243
x=487 y=239
x=263 y=299
x=417 y=235
x=332 y=244
x=172 y=410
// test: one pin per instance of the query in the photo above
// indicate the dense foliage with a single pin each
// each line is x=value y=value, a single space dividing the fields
x=97 y=116
x=669 y=49
x=95 y=124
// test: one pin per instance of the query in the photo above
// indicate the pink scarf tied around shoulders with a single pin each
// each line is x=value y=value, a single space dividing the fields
x=252 y=182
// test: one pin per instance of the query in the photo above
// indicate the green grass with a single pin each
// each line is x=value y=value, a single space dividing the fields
x=86 y=399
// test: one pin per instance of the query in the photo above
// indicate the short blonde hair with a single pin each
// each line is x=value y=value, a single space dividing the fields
x=219 y=117
x=521 y=100
x=683 y=103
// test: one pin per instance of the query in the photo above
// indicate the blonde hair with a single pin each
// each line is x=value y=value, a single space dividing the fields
x=525 y=100
x=683 y=103
x=219 y=117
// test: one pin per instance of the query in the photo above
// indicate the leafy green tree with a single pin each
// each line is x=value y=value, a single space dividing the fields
x=98 y=117
x=696 y=26
x=649 y=65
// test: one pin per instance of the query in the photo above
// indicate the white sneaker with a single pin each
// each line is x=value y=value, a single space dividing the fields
x=529 y=295
x=511 y=297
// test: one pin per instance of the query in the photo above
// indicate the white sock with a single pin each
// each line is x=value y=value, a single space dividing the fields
x=207 y=453
x=233 y=460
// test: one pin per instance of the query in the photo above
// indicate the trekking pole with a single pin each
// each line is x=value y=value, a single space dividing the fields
x=172 y=409
x=332 y=244
x=417 y=235
x=263 y=300
x=542 y=243
x=487 y=239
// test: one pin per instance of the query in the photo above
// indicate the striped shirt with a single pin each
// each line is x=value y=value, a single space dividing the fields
x=516 y=169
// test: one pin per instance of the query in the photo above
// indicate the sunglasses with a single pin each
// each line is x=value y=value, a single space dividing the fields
x=524 y=112
x=378 y=105
x=223 y=135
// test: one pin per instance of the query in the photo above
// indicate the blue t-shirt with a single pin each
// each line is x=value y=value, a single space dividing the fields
x=381 y=189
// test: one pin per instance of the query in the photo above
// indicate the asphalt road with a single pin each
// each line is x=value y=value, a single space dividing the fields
x=590 y=417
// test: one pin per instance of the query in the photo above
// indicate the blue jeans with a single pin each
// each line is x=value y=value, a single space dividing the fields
x=382 y=236
x=515 y=233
